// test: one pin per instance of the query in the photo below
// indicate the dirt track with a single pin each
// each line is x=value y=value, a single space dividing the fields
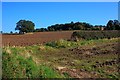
x=35 y=38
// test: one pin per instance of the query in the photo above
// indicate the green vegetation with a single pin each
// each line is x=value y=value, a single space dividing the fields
x=62 y=44
x=95 y=34
x=61 y=59
x=70 y=44
x=17 y=65
x=25 y=26
x=111 y=25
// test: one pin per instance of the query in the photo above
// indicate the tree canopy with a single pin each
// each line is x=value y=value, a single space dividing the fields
x=68 y=26
x=25 y=26
x=113 y=25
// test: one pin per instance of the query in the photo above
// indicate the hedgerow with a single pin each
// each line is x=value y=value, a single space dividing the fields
x=96 y=34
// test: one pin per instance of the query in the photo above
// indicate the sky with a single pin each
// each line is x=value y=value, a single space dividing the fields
x=0 y=16
x=44 y=14
x=119 y=10
x=60 y=0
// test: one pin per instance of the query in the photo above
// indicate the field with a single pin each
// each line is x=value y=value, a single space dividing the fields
x=59 y=58
x=35 y=38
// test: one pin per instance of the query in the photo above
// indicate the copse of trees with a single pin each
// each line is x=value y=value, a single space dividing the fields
x=40 y=30
x=111 y=25
x=70 y=26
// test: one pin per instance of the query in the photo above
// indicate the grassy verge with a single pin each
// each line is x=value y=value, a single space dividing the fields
x=19 y=63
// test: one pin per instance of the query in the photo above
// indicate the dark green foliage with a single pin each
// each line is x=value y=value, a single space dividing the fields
x=40 y=30
x=70 y=26
x=96 y=34
x=11 y=32
x=113 y=25
x=28 y=26
x=1 y=32
x=25 y=26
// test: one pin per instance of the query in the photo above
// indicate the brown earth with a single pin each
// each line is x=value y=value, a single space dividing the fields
x=35 y=38
x=95 y=59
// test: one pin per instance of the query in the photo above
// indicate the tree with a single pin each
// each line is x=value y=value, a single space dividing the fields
x=43 y=29
x=11 y=32
x=50 y=28
x=113 y=25
x=110 y=25
x=1 y=32
x=25 y=26
x=117 y=25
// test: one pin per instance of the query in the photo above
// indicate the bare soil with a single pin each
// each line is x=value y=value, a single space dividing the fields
x=35 y=38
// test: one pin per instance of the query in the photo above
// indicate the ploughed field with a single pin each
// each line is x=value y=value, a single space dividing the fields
x=34 y=38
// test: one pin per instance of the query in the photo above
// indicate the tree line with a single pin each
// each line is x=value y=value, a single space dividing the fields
x=25 y=26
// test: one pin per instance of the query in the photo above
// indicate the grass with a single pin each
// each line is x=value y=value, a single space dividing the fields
x=16 y=65
x=42 y=61
x=70 y=44
x=62 y=44
x=48 y=72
